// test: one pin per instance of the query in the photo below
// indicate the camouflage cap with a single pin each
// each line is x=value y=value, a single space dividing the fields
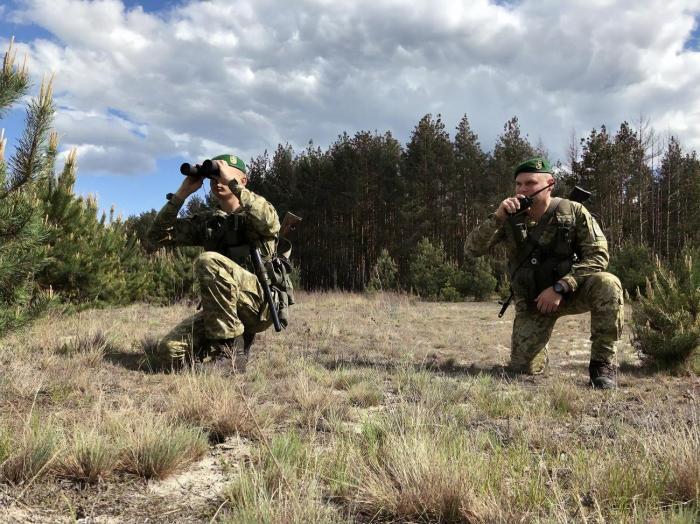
x=232 y=160
x=535 y=164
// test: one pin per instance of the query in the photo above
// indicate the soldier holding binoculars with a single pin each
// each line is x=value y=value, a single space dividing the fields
x=232 y=298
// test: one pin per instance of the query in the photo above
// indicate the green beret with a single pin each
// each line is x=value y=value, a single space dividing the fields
x=232 y=160
x=535 y=164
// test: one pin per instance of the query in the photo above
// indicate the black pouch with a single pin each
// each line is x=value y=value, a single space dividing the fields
x=524 y=283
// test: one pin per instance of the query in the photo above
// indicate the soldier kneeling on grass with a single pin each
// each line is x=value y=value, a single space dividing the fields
x=557 y=255
x=233 y=305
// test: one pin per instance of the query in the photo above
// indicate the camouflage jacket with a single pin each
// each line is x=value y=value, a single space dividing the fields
x=571 y=244
x=255 y=222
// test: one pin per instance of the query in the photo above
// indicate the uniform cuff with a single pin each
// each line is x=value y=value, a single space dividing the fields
x=570 y=282
x=235 y=187
x=175 y=200
x=495 y=221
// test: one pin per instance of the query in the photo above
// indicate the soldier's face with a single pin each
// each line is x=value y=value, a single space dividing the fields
x=219 y=186
x=528 y=183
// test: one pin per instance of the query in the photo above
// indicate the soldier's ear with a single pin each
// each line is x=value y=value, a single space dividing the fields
x=244 y=180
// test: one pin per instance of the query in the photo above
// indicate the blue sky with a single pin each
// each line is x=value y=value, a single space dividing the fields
x=142 y=86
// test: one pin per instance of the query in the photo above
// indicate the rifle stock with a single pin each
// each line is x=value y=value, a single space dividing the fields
x=265 y=283
x=289 y=223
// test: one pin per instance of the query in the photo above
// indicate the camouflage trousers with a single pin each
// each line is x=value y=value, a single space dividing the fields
x=232 y=302
x=600 y=293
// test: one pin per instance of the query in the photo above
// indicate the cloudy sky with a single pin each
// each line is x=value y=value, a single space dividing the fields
x=143 y=85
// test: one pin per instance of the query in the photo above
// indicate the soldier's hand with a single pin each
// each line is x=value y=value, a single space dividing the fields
x=228 y=173
x=225 y=172
x=508 y=207
x=548 y=301
x=189 y=185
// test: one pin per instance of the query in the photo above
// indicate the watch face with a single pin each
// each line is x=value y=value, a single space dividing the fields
x=558 y=288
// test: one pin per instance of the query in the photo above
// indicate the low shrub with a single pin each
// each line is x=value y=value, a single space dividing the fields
x=632 y=264
x=666 y=322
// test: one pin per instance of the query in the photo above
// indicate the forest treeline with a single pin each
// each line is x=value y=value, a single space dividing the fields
x=380 y=214
x=368 y=194
x=377 y=213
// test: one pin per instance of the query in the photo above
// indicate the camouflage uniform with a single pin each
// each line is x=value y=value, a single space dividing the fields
x=570 y=246
x=232 y=298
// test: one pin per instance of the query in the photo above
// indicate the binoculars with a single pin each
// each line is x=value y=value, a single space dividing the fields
x=206 y=169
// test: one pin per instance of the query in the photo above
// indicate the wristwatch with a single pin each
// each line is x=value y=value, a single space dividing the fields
x=558 y=288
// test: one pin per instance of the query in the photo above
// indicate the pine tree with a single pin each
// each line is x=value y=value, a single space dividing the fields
x=474 y=189
x=91 y=259
x=430 y=206
x=384 y=273
x=666 y=320
x=511 y=149
x=22 y=231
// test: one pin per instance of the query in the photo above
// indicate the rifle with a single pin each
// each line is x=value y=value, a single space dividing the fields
x=265 y=283
x=578 y=194
x=289 y=224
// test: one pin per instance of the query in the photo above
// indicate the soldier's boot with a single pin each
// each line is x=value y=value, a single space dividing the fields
x=248 y=339
x=228 y=355
x=602 y=375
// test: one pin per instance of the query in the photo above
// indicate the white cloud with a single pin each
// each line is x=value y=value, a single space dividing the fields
x=247 y=74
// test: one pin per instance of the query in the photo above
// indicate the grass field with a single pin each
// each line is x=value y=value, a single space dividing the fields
x=368 y=408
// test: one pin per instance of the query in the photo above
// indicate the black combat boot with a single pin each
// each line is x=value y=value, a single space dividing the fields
x=602 y=375
x=248 y=339
x=228 y=355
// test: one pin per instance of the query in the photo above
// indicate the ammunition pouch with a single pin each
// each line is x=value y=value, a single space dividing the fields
x=531 y=279
x=549 y=272
x=279 y=271
x=524 y=284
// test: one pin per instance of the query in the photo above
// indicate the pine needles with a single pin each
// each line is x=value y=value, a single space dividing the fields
x=667 y=320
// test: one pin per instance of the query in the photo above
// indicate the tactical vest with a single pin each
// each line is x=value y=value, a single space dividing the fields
x=226 y=234
x=543 y=253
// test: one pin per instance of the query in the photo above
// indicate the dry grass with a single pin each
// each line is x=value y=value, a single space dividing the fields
x=314 y=404
x=215 y=404
x=91 y=457
x=33 y=454
x=414 y=473
x=367 y=408
x=365 y=394
x=155 y=447
x=89 y=348
x=679 y=451
x=282 y=484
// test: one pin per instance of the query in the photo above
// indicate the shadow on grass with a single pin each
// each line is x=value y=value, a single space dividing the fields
x=130 y=361
x=141 y=360
x=446 y=367
x=625 y=368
